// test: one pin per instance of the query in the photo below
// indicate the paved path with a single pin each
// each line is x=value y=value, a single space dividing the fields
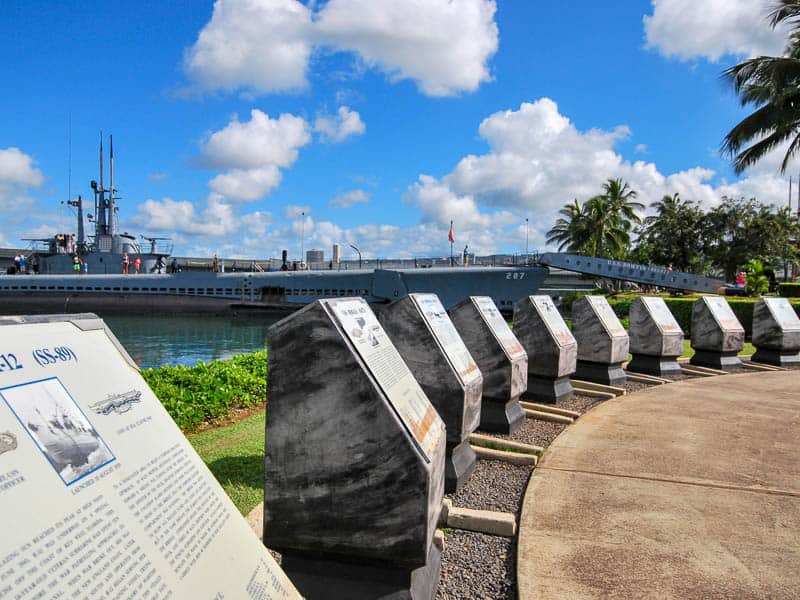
x=687 y=490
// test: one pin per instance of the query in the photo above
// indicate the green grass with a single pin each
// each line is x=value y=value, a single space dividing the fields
x=235 y=455
x=688 y=352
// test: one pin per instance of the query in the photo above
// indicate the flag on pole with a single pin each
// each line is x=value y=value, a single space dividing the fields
x=450 y=235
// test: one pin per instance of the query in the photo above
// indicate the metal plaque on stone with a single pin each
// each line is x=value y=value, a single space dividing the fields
x=551 y=347
x=717 y=335
x=501 y=358
x=354 y=458
x=656 y=338
x=603 y=342
x=101 y=495
x=776 y=332
x=429 y=344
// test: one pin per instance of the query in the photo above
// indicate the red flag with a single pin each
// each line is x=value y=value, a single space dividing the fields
x=450 y=235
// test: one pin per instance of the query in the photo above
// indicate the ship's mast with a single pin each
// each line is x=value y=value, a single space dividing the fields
x=100 y=199
x=112 y=216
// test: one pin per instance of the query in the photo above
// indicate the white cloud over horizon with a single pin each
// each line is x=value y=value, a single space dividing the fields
x=264 y=46
x=350 y=198
x=710 y=29
x=18 y=178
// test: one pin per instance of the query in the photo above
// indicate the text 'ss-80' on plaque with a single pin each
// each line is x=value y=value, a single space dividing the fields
x=375 y=348
x=454 y=348
x=101 y=495
x=499 y=327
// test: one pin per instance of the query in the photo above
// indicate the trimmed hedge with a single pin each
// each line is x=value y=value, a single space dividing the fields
x=789 y=290
x=681 y=308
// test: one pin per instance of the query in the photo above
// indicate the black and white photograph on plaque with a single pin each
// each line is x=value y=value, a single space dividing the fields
x=58 y=427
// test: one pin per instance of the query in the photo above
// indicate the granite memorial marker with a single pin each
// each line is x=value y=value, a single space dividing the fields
x=776 y=332
x=602 y=341
x=427 y=340
x=656 y=338
x=354 y=458
x=101 y=495
x=717 y=335
x=501 y=359
x=551 y=348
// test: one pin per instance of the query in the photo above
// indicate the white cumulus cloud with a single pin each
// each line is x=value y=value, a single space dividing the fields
x=292 y=211
x=688 y=29
x=349 y=199
x=443 y=45
x=18 y=176
x=257 y=45
x=253 y=153
x=263 y=46
x=216 y=219
x=338 y=128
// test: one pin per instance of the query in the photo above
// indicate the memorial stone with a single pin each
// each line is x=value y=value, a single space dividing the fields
x=101 y=495
x=551 y=347
x=602 y=341
x=354 y=458
x=776 y=332
x=428 y=341
x=717 y=335
x=501 y=359
x=656 y=338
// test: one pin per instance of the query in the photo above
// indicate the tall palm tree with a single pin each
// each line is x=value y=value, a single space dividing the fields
x=772 y=85
x=622 y=204
x=571 y=229
x=607 y=238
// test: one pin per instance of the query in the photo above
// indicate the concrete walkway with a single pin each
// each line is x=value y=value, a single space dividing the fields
x=687 y=490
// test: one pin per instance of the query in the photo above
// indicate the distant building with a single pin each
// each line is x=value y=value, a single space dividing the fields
x=315 y=256
x=337 y=254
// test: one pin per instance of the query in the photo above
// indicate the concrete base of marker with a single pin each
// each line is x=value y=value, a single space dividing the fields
x=607 y=374
x=320 y=578
x=548 y=390
x=725 y=361
x=501 y=417
x=459 y=463
x=654 y=365
x=778 y=358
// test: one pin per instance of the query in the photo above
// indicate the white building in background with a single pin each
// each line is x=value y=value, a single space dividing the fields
x=315 y=256
x=337 y=254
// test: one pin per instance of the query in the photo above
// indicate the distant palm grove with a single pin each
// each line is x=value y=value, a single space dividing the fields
x=720 y=241
x=737 y=234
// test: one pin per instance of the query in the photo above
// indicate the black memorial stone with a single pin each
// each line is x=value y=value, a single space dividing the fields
x=551 y=347
x=717 y=335
x=501 y=359
x=354 y=458
x=427 y=340
x=602 y=341
x=656 y=338
x=776 y=333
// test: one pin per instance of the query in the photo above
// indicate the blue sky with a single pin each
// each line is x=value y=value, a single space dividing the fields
x=382 y=121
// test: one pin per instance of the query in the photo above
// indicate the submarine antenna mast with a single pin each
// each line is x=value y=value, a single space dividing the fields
x=112 y=217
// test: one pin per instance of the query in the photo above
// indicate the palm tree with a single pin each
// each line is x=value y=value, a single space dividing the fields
x=608 y=238
x=570 y=230
x=772 y=85
x=623 y=206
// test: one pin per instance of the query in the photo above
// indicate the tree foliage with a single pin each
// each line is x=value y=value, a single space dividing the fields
x=770 y=84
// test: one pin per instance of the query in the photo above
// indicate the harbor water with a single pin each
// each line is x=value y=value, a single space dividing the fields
x=157 y=341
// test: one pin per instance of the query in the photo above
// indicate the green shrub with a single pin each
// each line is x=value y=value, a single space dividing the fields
x=789 y=290
x=210 y=391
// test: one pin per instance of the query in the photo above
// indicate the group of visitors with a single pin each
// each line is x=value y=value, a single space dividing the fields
x=126 y=263
x=20 y=265
x=79 y=266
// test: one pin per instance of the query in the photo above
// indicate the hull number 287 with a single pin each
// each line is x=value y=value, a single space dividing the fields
x=515 y=275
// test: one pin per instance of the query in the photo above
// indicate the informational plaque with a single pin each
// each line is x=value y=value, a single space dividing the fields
x=607 y=316
x=783 y=312
x=445 y=332
x=499 y=327
x=661 y=314
x=553 y=320
x=392 y=374
x=723 y=313
x=101 y=495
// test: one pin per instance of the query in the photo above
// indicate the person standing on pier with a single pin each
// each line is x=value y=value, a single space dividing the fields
x=137 y=264
x=126 y=261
